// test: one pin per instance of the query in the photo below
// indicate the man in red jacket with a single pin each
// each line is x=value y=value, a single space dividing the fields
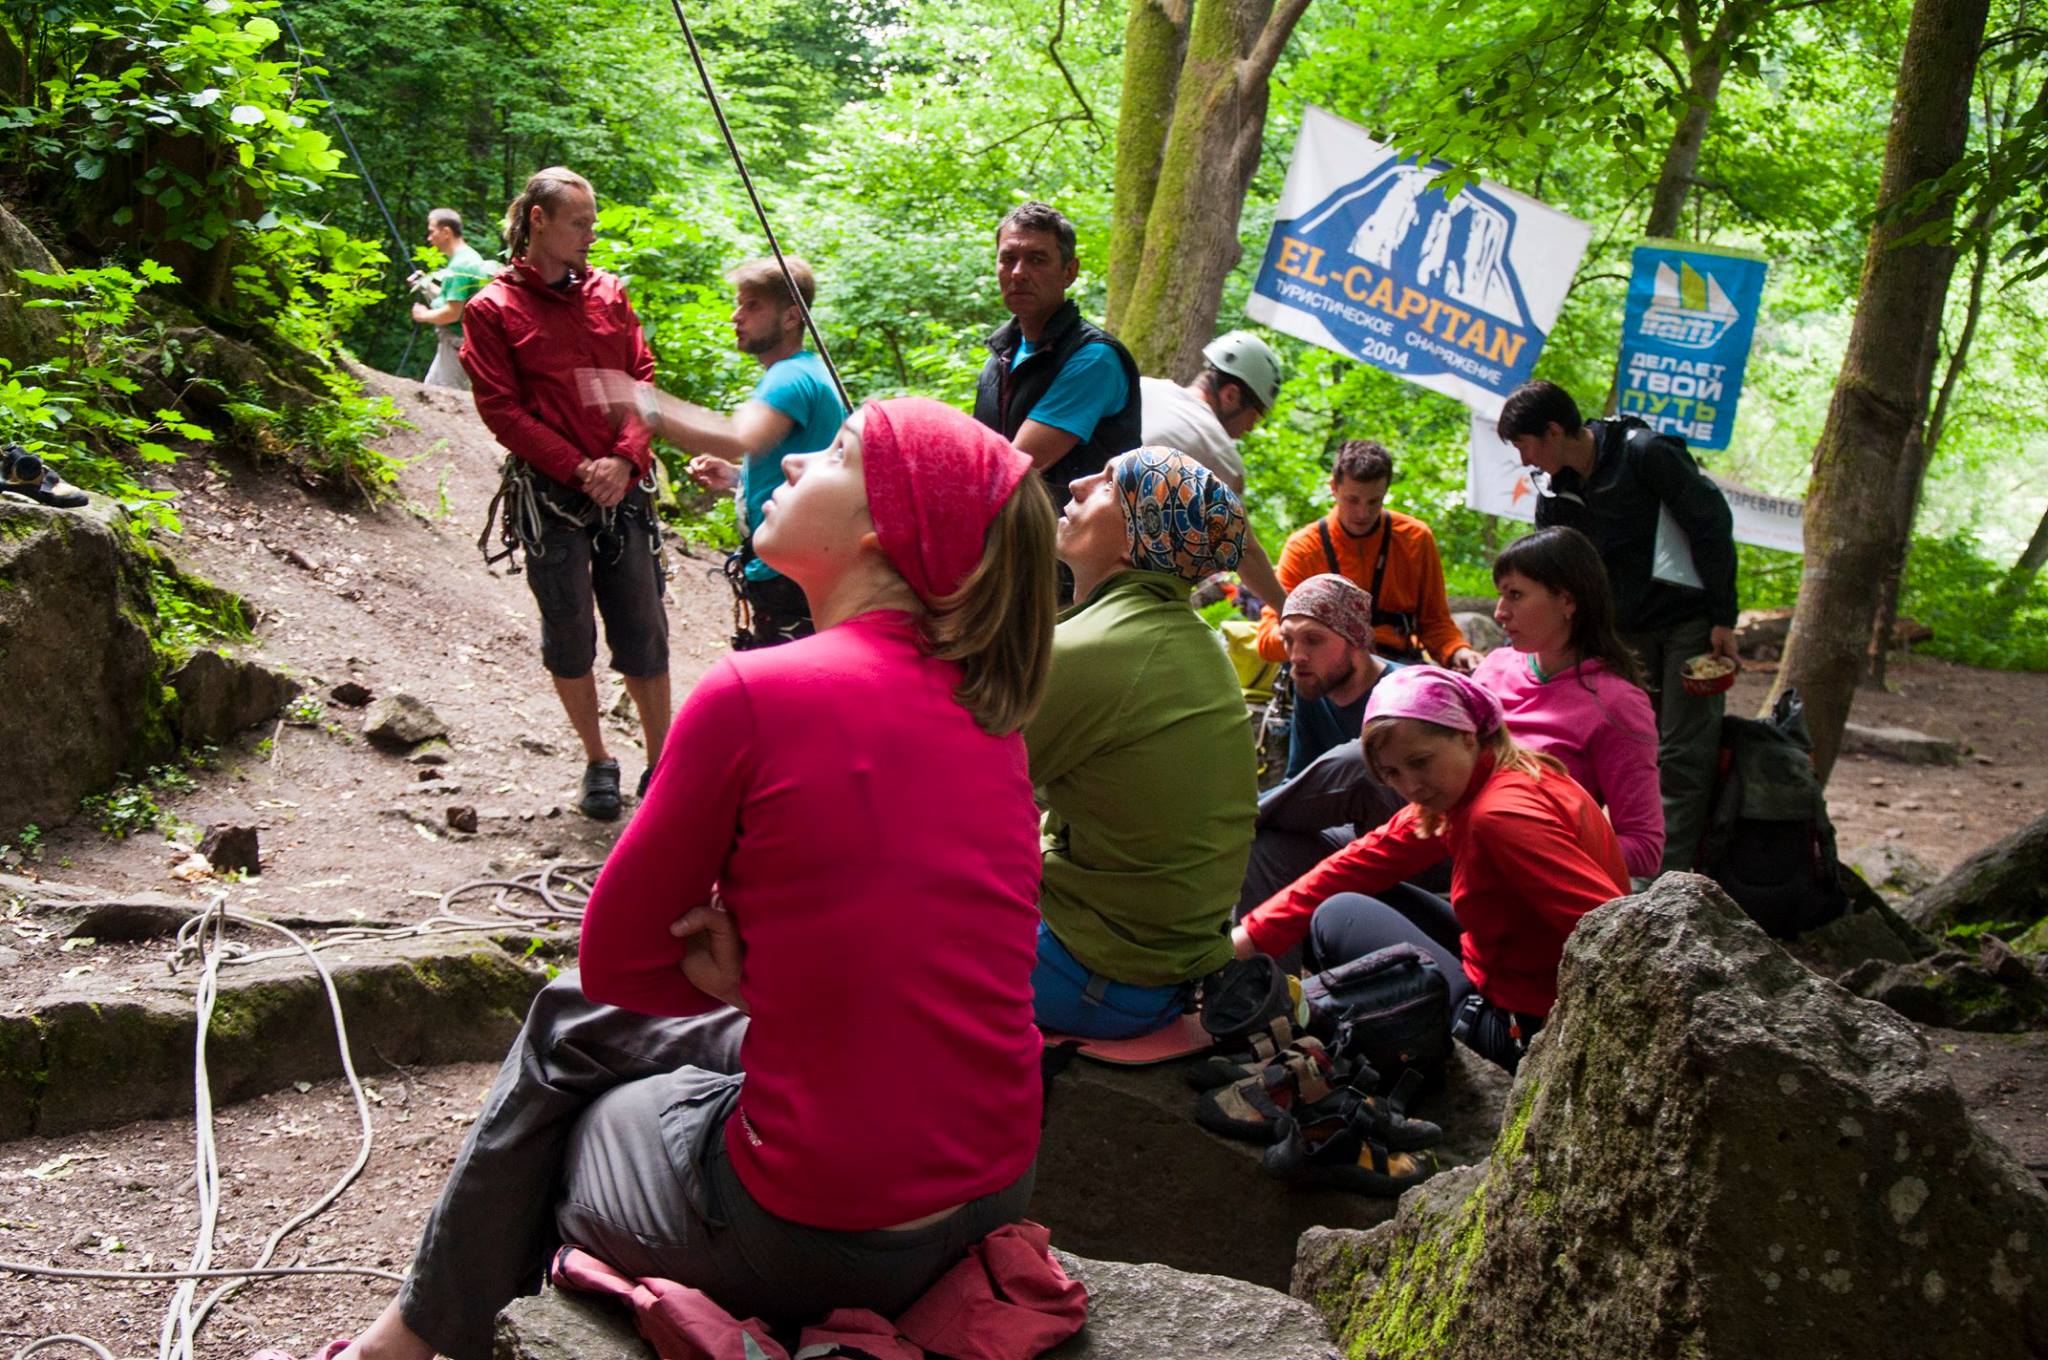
x=524 y=337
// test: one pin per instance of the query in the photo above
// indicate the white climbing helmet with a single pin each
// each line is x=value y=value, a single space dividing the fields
x=1250 y=360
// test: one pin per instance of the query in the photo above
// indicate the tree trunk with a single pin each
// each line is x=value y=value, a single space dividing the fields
x=1705 y=62
x=1211 y=150
x=1880 y=396
x=1155 y=41
x=2031 y=560
x=1919 y=457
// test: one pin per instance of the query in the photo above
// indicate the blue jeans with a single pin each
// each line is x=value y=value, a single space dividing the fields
x=1064 y=1000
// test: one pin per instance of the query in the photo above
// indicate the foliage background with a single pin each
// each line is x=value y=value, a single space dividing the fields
x=887 y=136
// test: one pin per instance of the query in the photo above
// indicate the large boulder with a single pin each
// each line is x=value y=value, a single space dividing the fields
x=27 y=335
x=75 y=660
x=1134 y=1313
x=1125 y=1173
x=1710 y=1153
x=2003 y=885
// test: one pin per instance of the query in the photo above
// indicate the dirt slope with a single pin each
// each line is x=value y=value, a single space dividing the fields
x=398 y=598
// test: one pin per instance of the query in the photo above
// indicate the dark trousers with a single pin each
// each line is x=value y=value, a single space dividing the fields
x=605 y=1127
x=1352 y=925
x=1688 y=735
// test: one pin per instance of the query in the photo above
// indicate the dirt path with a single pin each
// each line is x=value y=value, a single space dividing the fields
x=398 y=599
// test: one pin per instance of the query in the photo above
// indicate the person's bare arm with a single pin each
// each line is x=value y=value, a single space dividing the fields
x=751 y=429
x=1046 y=444
x=447 y=314
x=1256 y=571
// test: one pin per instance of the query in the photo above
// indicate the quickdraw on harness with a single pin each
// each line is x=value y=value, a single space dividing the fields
x=521 y=509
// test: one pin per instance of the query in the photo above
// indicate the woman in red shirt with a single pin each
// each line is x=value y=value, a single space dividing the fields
x=1530 y=853
x=798 y=1070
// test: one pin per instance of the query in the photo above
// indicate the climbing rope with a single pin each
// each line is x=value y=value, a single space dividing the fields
x=760 y=213
x=548 y=897
x=404 y=255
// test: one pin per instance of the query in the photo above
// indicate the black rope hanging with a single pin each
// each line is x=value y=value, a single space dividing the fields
x=404 y=255
x=760 y=213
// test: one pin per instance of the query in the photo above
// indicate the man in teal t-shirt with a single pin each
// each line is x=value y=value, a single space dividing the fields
x=449 y=287
x=795 y=408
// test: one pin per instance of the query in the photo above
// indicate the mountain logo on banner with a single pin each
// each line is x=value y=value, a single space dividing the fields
x=1409 y=279
x=1688 y=309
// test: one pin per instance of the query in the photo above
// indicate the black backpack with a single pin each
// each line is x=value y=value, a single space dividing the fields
x=1390 y=1009
x=1769 y=842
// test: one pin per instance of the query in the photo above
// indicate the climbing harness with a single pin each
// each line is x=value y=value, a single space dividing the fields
x=760 y=213
x=521 y=508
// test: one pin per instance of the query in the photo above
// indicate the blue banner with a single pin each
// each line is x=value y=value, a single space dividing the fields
x=1370 y=259
x=1685 y=340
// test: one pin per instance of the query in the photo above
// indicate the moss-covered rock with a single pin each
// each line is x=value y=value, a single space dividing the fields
x=2003 y=886
x=75 y=658
x=1711 y=1153
x=110 y=1059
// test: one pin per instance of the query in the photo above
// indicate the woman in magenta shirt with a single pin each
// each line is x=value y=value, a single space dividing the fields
x=798 y=1070
x=1572 y=689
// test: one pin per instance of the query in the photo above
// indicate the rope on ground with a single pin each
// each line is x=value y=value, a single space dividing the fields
x=559 y=892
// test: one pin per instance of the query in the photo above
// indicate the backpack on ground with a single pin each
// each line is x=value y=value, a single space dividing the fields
x=1769 y=843
x=1390 y=1009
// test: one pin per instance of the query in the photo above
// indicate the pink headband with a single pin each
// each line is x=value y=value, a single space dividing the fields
x=935 y=480
x=1435 y=695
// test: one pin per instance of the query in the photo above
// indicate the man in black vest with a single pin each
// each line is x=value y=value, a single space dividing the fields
x=1060 y=389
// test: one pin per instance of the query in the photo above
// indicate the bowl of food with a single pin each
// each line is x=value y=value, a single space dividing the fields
x=1709 y=674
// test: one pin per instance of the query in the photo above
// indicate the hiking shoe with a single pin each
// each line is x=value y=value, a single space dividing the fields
x=600 y=800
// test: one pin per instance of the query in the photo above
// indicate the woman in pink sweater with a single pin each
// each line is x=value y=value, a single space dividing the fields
x=798 y=1070
x=1570 y=686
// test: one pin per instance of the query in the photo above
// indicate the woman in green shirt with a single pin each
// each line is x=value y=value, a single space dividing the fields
x=1140 y=753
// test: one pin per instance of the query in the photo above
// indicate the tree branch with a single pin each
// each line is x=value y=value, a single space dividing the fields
x=1052 y=49
x=1052 y=120
x=1265 y=53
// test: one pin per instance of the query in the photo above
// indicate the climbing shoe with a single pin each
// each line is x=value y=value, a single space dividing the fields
x=27 y=475
x=600 y=800
x=1332 y=1150
x=1251 y=1106
x=646 y=778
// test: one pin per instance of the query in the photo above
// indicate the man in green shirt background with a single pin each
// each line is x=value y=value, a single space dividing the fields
x=447 y=289
x=1140 y=753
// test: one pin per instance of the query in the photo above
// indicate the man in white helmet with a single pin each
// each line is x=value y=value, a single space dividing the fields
x=1240 y=377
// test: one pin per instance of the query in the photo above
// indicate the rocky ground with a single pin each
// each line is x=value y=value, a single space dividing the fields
x=398 y=599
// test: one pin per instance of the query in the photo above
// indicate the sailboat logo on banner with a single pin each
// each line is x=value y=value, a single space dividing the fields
x=1688 y=309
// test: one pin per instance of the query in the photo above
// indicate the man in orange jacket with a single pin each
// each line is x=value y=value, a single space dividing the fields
x=1391 y=555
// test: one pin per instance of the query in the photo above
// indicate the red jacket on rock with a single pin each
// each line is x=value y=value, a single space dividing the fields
x=522 y=342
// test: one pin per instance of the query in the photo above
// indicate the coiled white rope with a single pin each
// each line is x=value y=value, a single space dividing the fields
x=562 y=890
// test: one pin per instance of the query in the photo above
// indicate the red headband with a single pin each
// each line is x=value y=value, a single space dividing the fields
x=935 y=480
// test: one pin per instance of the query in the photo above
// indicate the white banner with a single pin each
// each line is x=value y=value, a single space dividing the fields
x=1368 y=260
x=1498 y=484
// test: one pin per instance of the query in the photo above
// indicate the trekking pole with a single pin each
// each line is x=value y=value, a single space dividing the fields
x=761 y=213
x=404 y=254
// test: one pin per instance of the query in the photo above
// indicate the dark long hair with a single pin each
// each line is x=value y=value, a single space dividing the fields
x=1564 y=560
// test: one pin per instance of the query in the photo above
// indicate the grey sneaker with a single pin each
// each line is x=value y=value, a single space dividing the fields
x=600 y=800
